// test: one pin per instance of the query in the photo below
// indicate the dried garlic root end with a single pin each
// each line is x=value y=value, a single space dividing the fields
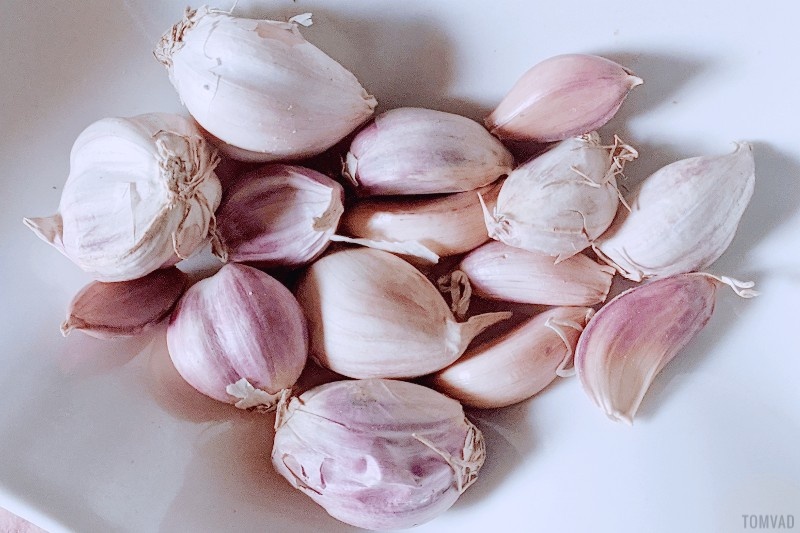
x=251 y=398
x=172 y=40
x=467 y=466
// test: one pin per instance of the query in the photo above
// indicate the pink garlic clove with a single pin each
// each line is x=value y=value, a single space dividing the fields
x=125 y=308
x=561 y=97
x=239 y=337
x=636 y=334
x=376 y=453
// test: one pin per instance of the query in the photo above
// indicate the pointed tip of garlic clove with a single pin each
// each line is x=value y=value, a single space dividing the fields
x=49 y=229
x=66 y=327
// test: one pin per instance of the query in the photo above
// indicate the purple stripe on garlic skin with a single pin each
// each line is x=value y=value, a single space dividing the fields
x=239 y=324
x=375 y=453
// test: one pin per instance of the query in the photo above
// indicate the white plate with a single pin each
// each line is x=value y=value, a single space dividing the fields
x=99 y=436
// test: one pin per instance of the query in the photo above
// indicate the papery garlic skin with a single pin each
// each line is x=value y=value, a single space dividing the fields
x=561 y=97
x=278 y=215
x=239 y=324
x=682 y=218
x=141 y=194
x=560 y=201
x=373 y=315
x=501 y=272
x=412 y=150
x=446 y=225
x=378 y=454
x=125 y=308
x=260 y=87
x=632 y=337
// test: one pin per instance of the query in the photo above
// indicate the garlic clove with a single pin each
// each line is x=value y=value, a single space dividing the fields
x=373 y=315
x=560 y=201
x=421 y=151
x=376 y=453
x=239 y=337
x=260 y=87
x=517 y=365
x=501 y=272
x=561 y=97
x=632 y=337
x=141 y=194
x=278 y=215
x=682 y=218
x=125 y=308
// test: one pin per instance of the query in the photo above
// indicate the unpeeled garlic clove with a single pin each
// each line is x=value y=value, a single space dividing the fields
x=259 y=87
x=239 y=337
x=373 y=315
x=561 y=97
x=517 y=365
x=501 y=272
x=125 y=308
x=376 y=453
x=278 y=215
x=560 y=201
x=421 y=151
x=632 y=337
x=682 y=218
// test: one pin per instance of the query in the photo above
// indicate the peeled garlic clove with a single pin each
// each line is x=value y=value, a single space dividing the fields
x=636 y=334
x=446 y=225
x=377 y=453
x=371 y=314
x=278 y=215
x=682 y=218
x=239 y=337
x=560 y=201
x=515 y=366
x=501 y=272
x=421 y=151
x=125 y=308
x=141 y=194
x=562 y=97
x=260 y=87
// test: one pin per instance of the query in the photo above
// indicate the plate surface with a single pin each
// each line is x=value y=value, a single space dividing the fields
x=102 y=436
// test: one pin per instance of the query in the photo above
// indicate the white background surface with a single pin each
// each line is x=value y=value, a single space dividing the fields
x=99 y=436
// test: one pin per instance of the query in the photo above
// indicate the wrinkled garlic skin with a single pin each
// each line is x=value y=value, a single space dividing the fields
x=632 y=337
x=278 y=215
x=421 y=151
x=141 y=194
x=682 y=217
x=447 y=225
x=501 y=272
x=377 y=454
x=516 y=365
x=560 y=201
x=239 y=324
x=373 y=315
x=125 y=308
x=260 y=87
x=561 y=97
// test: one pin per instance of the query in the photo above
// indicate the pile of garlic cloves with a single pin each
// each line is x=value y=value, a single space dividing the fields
x=342 y=268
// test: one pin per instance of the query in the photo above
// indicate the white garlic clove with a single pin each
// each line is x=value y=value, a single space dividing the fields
x=278 y=215
x=373 y=315
x=561 y=97
x=421 y=151
x=560 y=201
x=125 y=308
x=682 y=218
x=260 y=87
x=632 y=337
x=501 y=272
x=446 y=225
x=516 y=365
x=141 y=194
x=239 y=324
x=376 y=453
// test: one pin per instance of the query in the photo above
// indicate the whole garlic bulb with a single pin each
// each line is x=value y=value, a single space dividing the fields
x=259 y=87
x=141 y=194
x=377 y=453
